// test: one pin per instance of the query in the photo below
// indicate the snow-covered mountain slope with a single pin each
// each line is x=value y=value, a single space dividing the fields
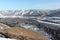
x=30 y=13
x=54 y=13
x=23 y=13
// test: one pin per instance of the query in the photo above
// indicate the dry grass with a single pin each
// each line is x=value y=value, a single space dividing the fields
x=3 y=25
x=20 y=33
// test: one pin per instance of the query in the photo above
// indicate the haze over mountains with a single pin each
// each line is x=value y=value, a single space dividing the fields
x=31 y=13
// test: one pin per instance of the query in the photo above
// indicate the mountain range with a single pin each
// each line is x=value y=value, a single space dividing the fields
x=31 y=13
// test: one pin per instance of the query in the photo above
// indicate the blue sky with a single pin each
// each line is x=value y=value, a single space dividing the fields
x=29 y=4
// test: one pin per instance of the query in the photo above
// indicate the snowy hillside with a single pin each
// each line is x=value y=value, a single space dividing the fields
x=30 y=13
x=23 y=13
x=6 y=39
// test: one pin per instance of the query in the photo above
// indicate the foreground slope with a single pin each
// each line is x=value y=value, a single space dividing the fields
x=23 y=34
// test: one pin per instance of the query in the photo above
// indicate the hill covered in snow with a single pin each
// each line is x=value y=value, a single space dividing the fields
x=30 y=13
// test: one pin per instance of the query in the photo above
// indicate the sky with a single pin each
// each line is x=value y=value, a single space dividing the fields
x=29 y=4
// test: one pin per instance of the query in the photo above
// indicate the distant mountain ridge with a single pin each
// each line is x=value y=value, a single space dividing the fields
x=54 y=13
x=29 y=13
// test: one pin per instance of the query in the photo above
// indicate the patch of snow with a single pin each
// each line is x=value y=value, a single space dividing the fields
x=6 y=39
x=31 y=12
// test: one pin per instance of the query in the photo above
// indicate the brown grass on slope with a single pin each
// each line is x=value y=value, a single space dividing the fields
x=23 y=34
x=3 y=26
